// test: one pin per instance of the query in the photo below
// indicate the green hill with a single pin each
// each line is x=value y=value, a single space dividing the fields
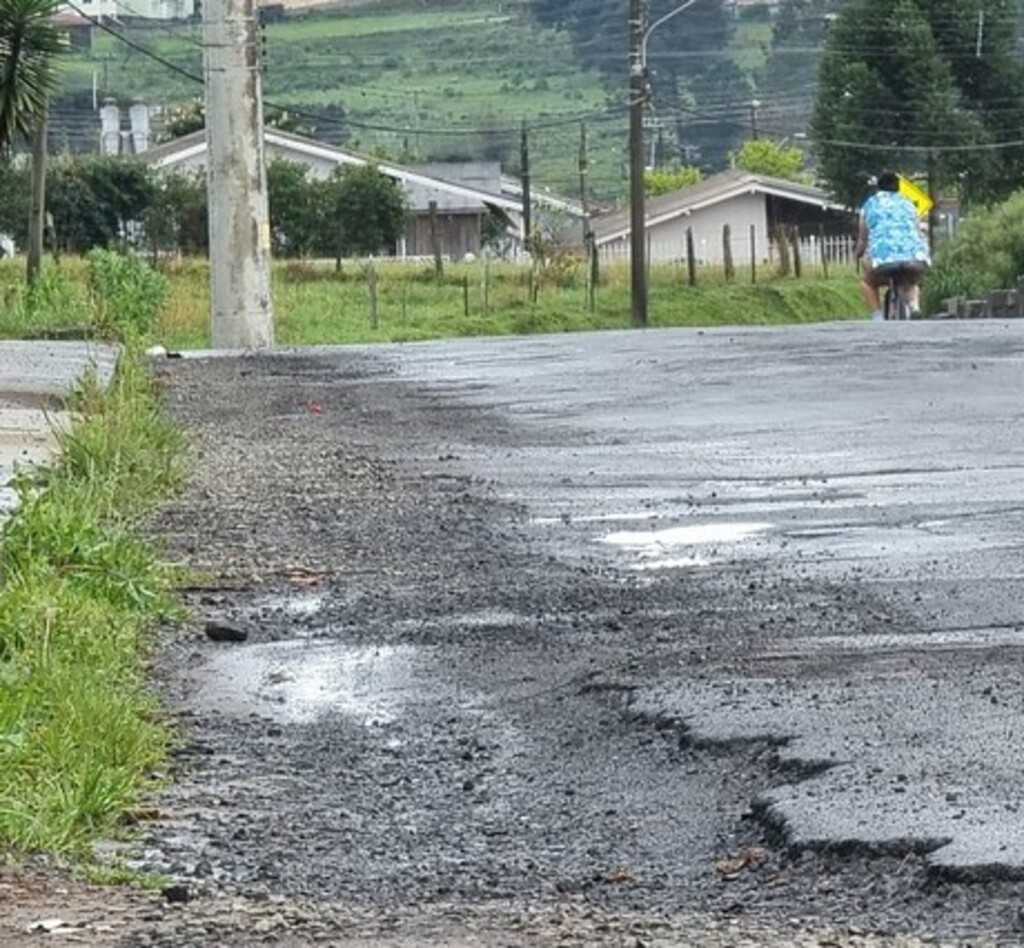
x=409 y=82
x=414 y=82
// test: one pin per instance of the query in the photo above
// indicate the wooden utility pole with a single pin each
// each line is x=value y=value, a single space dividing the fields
x=524 y=166
x=37 y=213
x=584 y=203
x=637 y=96
x=589 y=250
x=241 y=312
x=435 y=241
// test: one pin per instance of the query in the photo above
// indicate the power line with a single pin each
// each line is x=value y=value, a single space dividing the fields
x=554 y=122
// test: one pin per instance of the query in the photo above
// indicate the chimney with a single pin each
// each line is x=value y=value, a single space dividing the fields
x=138 y=114
x=110 y=128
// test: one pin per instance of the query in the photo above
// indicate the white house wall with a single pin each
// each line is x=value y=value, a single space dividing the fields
x=666 y=242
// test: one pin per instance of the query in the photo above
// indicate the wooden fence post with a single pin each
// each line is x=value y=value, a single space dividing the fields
x=435 y=240
x=593 y=272
x=691 y=258
x=730 y=269
x=824 y=252
x=370 y=271
x=485 y=284
x=794 y=236
x=782 y=243
x=753 y=253
x=465 y=296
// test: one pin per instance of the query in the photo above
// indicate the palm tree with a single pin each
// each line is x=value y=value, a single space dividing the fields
x=29 y=44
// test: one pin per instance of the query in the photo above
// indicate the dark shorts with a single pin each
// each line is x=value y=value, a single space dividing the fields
x=910 y=271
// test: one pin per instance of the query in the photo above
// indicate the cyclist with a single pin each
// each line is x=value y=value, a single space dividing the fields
x=889 y=239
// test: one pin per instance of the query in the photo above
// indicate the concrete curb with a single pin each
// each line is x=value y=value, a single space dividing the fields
x=35 y=380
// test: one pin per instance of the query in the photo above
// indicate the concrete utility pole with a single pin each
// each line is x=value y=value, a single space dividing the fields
x=236 y=174
x=637 y=97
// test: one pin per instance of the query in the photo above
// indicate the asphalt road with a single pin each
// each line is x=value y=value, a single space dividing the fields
x=597 y=621
x=882 y=462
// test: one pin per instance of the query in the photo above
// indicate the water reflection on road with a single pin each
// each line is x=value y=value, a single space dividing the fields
x=299 y=682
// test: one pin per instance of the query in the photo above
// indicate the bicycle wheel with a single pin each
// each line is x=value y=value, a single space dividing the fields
x=903 y=309
x=889 y=304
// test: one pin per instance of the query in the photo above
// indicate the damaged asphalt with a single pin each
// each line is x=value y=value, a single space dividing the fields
x=679 y=627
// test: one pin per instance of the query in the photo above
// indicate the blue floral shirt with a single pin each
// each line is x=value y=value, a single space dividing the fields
x=894 y=235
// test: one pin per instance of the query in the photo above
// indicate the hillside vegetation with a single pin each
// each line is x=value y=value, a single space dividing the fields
x=462 y=77
x=448 y=81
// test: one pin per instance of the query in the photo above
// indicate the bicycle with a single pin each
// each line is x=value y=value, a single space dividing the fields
x=900 y=280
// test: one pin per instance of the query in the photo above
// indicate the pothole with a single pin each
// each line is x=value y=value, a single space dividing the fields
x=301 y=681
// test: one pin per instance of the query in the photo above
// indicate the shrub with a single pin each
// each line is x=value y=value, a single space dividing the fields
x=127 y=293
x=986 y=254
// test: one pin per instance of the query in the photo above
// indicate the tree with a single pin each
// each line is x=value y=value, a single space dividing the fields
x=663 y=182
x=79 y=222
x=770 y=158
x=887 y=97
x=294 y=219
x=990 y=81
x=184 y=120
x=95 y=200
x=14 y=190
x=29 y=43
x=177 y=218
x=790 y=78
x=363 y=212
x=897 y=90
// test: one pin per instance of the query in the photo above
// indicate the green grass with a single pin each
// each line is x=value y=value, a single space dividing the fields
x=80 y=592
x=314 y=305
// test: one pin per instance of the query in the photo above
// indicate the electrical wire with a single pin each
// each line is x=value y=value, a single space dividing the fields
x=720 y=110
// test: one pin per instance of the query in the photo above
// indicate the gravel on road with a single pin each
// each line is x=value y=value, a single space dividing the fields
x=414 y=726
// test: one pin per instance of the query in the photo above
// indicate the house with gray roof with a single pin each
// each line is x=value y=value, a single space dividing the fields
x=450 y=200
x=752 y=205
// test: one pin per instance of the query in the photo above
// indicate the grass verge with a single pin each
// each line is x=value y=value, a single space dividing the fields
x=80 y=592
x=314 y=305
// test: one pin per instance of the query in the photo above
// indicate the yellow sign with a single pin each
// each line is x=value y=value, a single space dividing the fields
x=917 y=196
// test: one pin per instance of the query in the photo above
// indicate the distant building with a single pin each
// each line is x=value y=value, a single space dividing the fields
x=77 y=28
x=128 y=9
x=462 y=195
x=753 y=206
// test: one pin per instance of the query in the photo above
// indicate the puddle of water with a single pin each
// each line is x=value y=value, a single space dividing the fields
x=996 y=637
x=299 y=605
x=594 y=518
x=299 y=682
x=678 y=562
x=680 y=547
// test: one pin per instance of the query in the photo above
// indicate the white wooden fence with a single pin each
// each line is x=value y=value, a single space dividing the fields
x=815 y=251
